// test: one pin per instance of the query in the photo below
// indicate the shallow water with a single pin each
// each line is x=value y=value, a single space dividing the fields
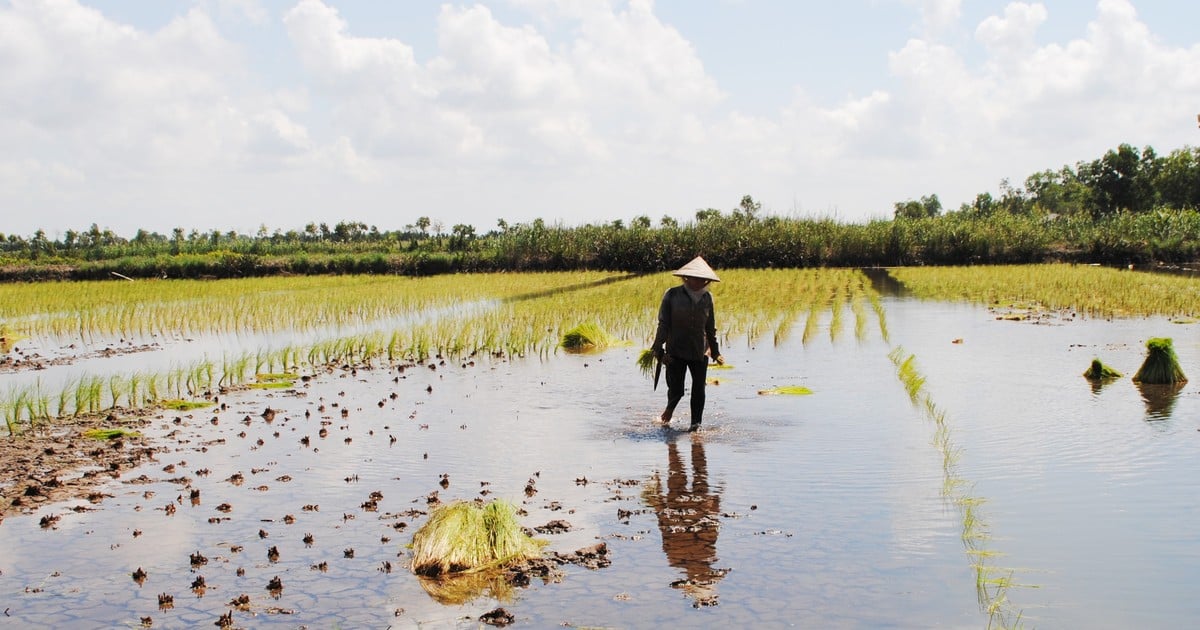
x=826 y=510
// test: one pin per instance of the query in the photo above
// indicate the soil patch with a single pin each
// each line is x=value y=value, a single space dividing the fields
x=57 y=463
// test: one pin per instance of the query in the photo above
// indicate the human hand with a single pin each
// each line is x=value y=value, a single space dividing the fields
x=720 y=359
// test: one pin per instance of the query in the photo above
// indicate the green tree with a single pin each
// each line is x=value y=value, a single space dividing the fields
x=1177 y=179
x=747 y=209
x=928 y=206
x=461 y=236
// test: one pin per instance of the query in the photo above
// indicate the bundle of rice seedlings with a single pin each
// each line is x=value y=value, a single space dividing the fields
x=585 y=337
x=645 y=362
x=1161 y=366
x=1098 y=371
x=461 y=537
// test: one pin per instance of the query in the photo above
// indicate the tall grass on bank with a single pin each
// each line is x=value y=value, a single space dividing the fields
x=992 y=582
x=954 y=238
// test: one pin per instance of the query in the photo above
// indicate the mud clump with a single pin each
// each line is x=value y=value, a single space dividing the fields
x=43 y=467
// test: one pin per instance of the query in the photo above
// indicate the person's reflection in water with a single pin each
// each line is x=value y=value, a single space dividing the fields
x=688 y=520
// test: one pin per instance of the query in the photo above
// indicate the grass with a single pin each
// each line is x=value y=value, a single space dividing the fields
x=464 y=537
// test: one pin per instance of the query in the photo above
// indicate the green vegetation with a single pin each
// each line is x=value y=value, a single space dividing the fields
x=184 y=405
x=1070 y=289
x=991 y=582
x=585 y=338
x=1098 y=371
x=1128 y=206
x=465 y=537
x=109 y=434
x=788 y=390
x=645 y=362
x=1161 y=366
x=407 y=319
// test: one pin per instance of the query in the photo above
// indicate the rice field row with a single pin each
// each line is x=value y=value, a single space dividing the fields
x=144 y=308
x=992 y=581
x=1091 y=290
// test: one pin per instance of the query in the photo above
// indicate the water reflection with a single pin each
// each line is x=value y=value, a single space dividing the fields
x=1160 y=399
x=883 y=283
x=688 y=520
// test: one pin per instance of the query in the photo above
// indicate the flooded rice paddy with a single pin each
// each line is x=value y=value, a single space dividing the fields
x=1003 y=489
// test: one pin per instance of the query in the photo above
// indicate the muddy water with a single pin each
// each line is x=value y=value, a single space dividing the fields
x=825 y=510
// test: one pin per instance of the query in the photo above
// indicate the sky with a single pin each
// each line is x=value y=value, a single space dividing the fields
x=238 y=114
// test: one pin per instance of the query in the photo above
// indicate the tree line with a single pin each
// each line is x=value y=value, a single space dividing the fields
x=1128 y=206
x=1123 y=180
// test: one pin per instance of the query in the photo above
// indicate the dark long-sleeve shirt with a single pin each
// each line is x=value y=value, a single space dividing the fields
x=688 y=328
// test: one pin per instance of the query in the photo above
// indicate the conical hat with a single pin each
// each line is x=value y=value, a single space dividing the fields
x=697 y=268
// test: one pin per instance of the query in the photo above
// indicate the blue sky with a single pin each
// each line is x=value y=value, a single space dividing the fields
x=233 y=114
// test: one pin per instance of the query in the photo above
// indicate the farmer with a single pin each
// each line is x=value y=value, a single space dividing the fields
x=687 y=337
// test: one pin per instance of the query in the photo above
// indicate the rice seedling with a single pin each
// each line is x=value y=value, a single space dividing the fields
x=786 y=390
x=811 y=323
x=272 y=385
x=118 y=386
x=860 y=317
x=906 y=369
x=431 y=320
x=974 y=533
x=1098 y=371
x=463 y=537
x=877 y=306
x=64 y=400
x=136 y=398
x=177 y=404
x=109 y=434
x=836 y=304
x=1085 y=289
x=277 y=376
x=1161 y=366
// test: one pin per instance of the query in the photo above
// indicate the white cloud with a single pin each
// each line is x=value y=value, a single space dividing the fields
x=1014 y=33
x=574 y=109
